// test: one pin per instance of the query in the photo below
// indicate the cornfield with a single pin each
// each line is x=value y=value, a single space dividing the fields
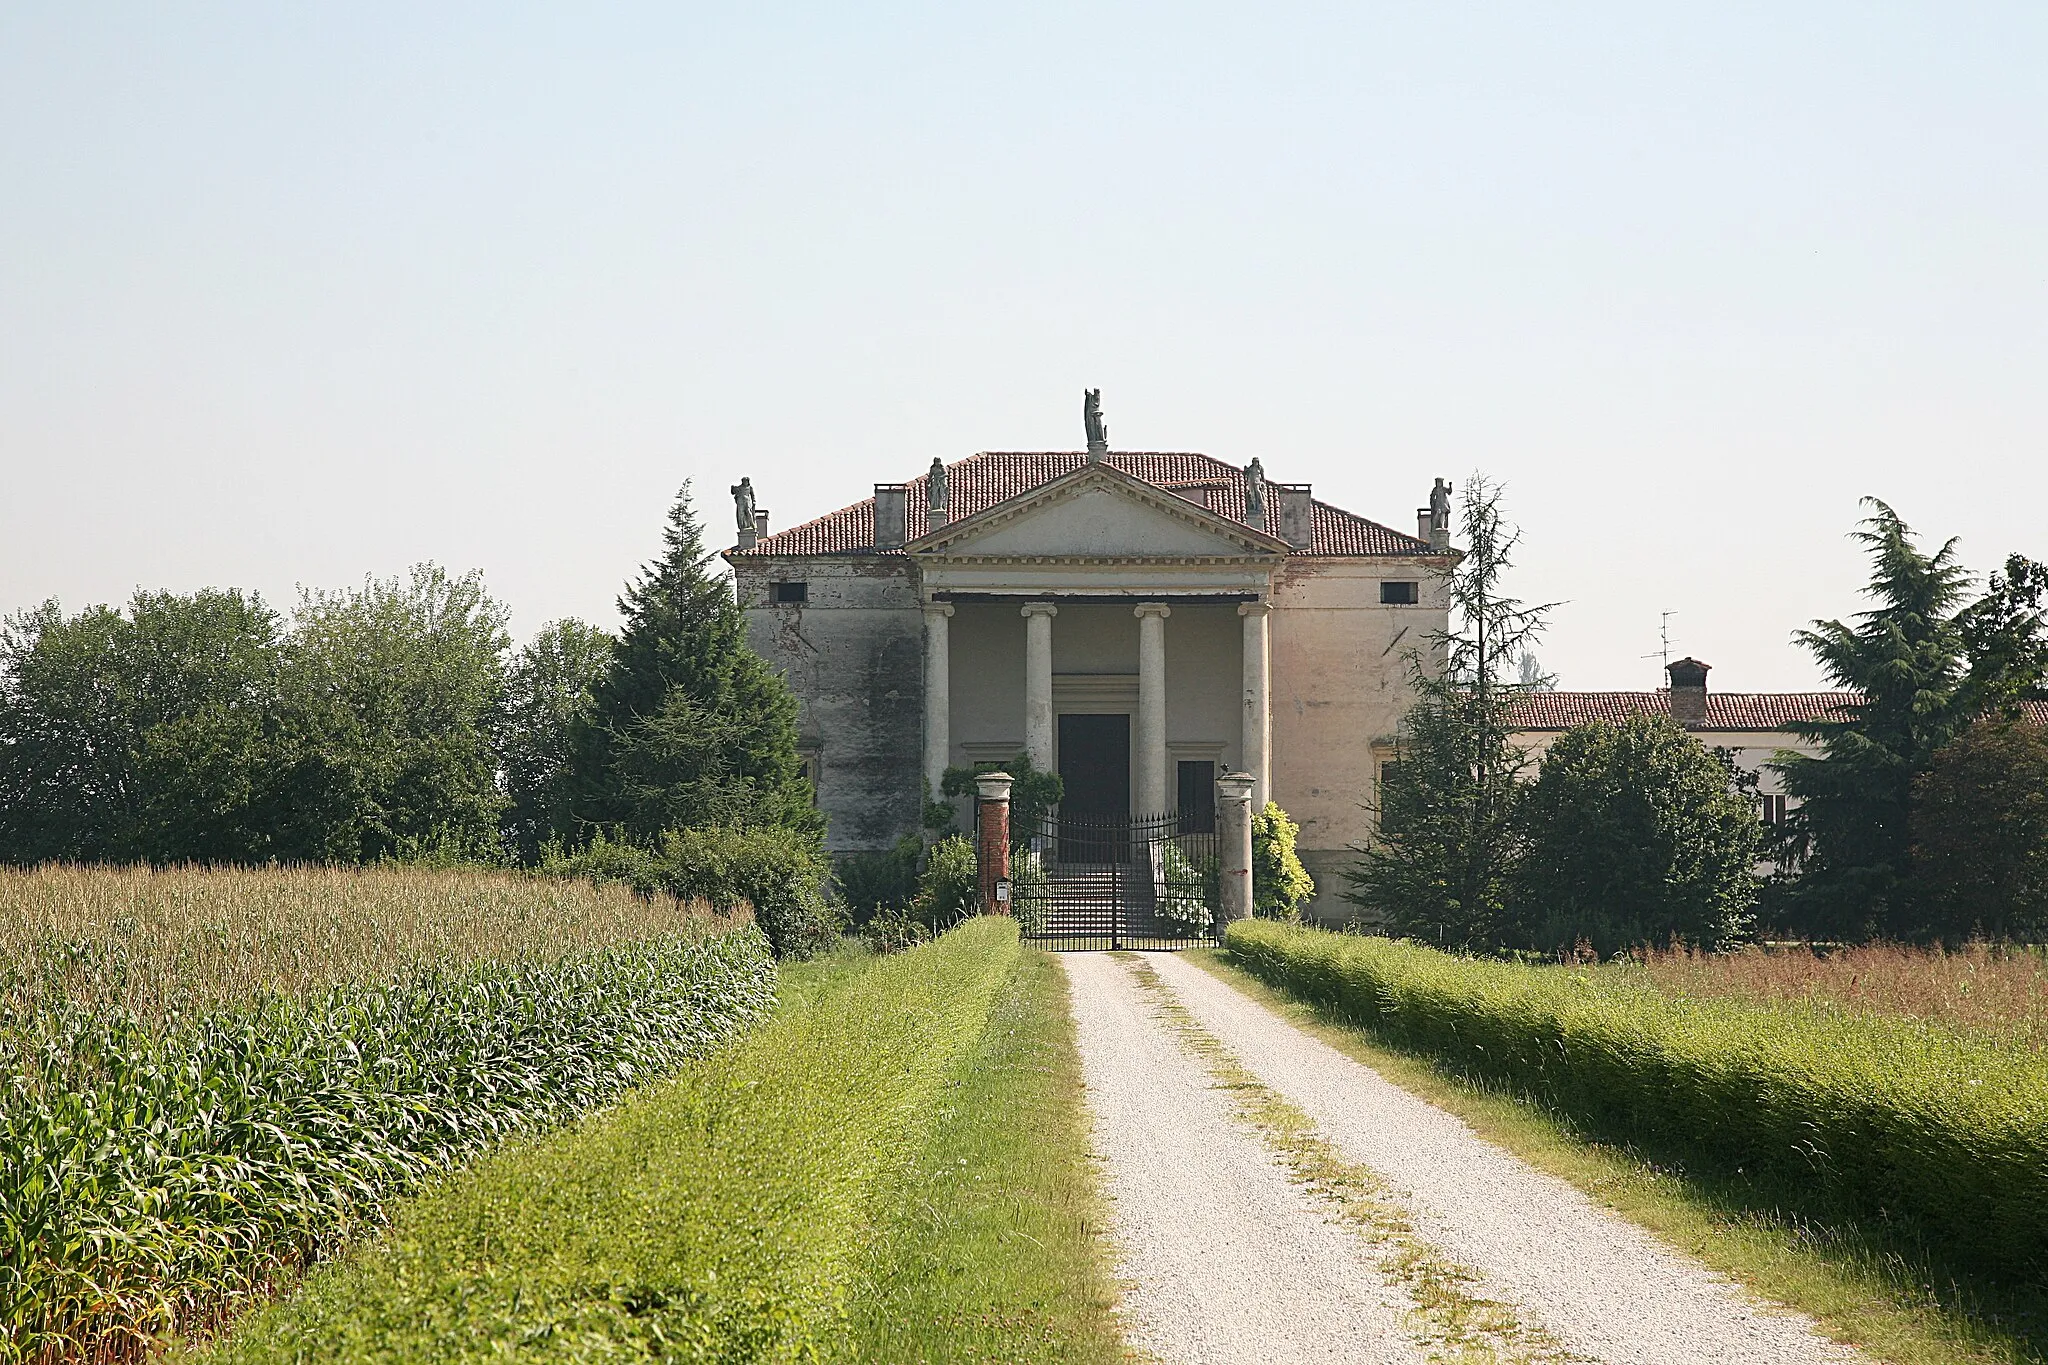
x=215 y=1077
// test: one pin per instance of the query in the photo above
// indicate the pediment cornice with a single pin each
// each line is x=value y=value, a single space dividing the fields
x=1254 y=547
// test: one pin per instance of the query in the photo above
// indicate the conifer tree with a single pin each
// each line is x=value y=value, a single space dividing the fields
x=689 y=727
x=1926 y=666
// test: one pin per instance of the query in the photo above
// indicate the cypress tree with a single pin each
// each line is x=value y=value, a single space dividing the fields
x=689 y=727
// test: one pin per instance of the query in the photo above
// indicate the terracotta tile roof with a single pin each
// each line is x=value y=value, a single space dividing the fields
x=981 y=481
x=1725 y=710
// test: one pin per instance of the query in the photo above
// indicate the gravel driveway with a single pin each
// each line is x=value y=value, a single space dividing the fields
x=1227 y=1260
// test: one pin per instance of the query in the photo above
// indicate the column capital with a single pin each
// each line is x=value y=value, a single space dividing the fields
x=1234 y=786
x=1254 y=608
x=937 y=608
x=1039 y=609
x=1144 y=609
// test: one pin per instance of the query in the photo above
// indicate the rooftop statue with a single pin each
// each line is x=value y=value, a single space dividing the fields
x=743 y=505
x=1091 y=420
x=1255 y=491
x=935 y=485
x=1440 y=506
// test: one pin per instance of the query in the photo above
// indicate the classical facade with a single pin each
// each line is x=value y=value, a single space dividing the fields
x=1137 y=622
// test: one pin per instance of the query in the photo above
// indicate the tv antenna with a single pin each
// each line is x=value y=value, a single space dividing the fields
x=1663 y=650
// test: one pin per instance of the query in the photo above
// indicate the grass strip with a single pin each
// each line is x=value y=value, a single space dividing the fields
x=716 y=1217
x=1939 y=1135
x=1857 y=1289
x=993 y=1251
x=1452 y=1321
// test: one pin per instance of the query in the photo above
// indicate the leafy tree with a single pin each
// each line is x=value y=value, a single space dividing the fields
x=1926 y=665
x=1635 y=836
x=149 y=736
x=392 y=694
x=549 y=695
x=1980 y=834
x=1280 y=884
x=1437 y=867
x=689 y=726
x=950 y=886
x=1034 y=796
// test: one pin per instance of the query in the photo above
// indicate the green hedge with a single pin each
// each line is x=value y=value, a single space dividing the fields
x=156 y=1172
x=781 y=873
x=1942 y=1134
x=720 y=1217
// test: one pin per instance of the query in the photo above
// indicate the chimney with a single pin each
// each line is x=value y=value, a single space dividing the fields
x=892 y=505
x=1297 y=514
x=760 y=523
x=1422 y=520
x=1688 y=692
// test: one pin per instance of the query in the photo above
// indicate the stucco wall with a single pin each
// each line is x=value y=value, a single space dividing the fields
x=853 y=654
x=1340 y=682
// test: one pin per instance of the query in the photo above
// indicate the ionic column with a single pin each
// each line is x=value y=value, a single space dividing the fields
x=1038 y=728
x=1152 y=707
x=1257 y=732
x=938 y=696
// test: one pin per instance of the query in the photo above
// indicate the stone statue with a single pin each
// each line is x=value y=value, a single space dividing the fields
x=1091 y=420
x=935 y=485
x=1255 y=491
x=743 y=505
x=1440 y=507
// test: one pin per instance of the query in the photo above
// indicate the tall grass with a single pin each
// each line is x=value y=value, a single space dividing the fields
x=1994 y=988
x=1936 y=1133
x=213 y=1078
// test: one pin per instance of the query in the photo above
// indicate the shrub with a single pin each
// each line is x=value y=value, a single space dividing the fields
x=1027 y=890
x=1938 y=1133
x=172 y=1145
x=872 y=882
x=1633 y=836
x=1280 y=884
x=779 y=872
x=1181 y=903
x=949 y=888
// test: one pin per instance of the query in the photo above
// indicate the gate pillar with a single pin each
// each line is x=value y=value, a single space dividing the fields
x=992 y=853
x=1234 y=847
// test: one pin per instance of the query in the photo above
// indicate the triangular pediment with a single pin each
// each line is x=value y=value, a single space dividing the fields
x=1098 y=512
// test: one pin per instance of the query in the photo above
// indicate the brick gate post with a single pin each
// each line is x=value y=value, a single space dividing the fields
x=1234 y=847
x=992 y=855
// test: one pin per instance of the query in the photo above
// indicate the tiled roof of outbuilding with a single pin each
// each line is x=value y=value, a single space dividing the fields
x=1725 y=710
x=981 y=481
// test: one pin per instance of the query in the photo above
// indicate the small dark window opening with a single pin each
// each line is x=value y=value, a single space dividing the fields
x=789 y=594
x=1771 y=809
x=1198 y=797
x=1400 y=594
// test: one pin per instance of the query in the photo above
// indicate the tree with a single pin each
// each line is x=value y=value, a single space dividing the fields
x=1034 y=796
x=150 y=736
x=688 y=726
x=549 y=695
x=1980 y=834
x=1925 y=666
x=1280 y=884
x=1437 y=866
x=392 y=694
x=1634 y=836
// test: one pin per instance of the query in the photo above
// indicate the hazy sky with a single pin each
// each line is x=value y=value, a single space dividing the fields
x=294 y=293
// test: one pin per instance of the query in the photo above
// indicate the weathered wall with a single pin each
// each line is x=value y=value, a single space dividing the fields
x=854 y=655
x=1339 y=683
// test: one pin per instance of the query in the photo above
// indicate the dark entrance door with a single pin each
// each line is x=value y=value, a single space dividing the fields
x=1095 y=765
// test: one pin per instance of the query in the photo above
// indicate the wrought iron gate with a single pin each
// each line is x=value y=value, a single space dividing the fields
x=1096 y=884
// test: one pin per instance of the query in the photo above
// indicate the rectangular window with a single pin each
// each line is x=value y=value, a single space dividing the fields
x=789 y=594
x=1771 y=809
x=1197 y=797
x=1400 y=594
